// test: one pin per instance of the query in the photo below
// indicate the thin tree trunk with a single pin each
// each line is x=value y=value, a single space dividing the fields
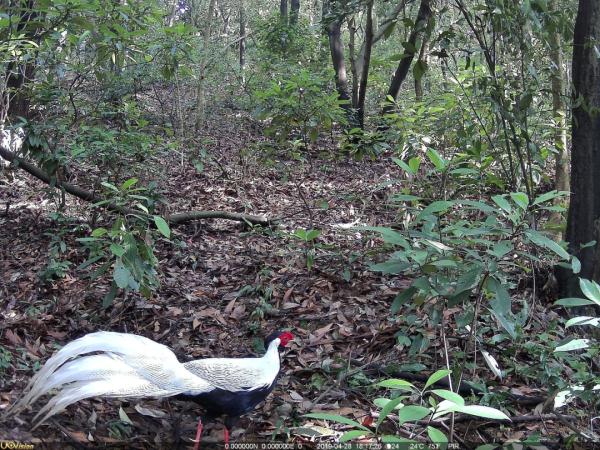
x=173 y=13
x=283 y=11
x=200 y=92
x=334 y=33
x=353 y=61
x=294 y=11
x=583 y=222
x=423 y=61
x=242 y=39
x=18 y=74
x=559 y=113
x=409 y=52
x=364 y=77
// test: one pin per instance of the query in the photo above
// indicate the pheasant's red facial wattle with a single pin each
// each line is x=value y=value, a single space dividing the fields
x=285 y=337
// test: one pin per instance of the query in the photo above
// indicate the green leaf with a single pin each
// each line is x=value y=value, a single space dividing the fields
x=446 y=407
x=520 y=199
x=507 y=322
x=502 y=248
x=381 y=402
x=501 y=303
x=387 y=409
x=590 y=289
x=575 y=265
x=435 y=207
x=390 y=267
x=437 y=437
x=117 y=250
x=402 y=298
x=414 y=164
x=395 y=383
x=483 y=411
x=99 y=232
x=404 y=166
x=110 y=296
x=127 y=184
x=419 y=69
x=548 y=196
x=353 y=434
x=312 y=235
x=121 y=275
x=412 y=412
x=449 y=395
x=162 y=226
x=542 y=241
x=124 y=417
x=389 y=235
x=437 y=376
x=438 y=161
x=502 y=203
x=300 y=233
x=336 y=418
x=571 y=302
x=575 y=344
x=110 y=186
x=583 y=320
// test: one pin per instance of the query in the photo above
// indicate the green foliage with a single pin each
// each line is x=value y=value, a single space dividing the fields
x=457 y=248
x=586 y=386
x=359 y=143
x=5 y=359
x=411 y=404
x=300 y=104
x=276 y=38
x=128 y=246
x=308 y=237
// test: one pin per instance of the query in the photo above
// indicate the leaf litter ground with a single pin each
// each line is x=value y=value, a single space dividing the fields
x=223 y=288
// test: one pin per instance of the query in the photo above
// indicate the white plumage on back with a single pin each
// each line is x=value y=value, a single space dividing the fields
x=239 y=373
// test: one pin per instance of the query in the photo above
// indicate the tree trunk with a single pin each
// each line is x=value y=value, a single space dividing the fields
x=17 y=74
x=353 y=60
x=173 y=13
x=364 y=77
x=242 y=38
x=423 y=62
x=583 y=222
x=334 y=33
x=409 y=52
x=559 y=113
x=200 y=92
x=283 y=11
x=294 y=11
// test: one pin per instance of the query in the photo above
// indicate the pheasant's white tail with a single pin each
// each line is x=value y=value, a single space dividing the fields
x=123 y=386
x=127 y=366
x=87 y=368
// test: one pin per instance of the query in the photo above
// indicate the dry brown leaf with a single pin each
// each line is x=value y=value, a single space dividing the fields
x=12 y=337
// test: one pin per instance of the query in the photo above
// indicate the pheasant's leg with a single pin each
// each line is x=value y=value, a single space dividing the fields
x=226 y=436
x=198 y=434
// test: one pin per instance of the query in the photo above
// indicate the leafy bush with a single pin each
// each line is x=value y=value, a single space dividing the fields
x=300 y=104
x=412 y=404
x=128 y=246
x=587 y=385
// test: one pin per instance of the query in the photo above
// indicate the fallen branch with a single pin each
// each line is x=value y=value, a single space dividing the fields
x=173 y=219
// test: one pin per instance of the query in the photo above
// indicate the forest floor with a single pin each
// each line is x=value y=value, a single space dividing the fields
x=224 y=287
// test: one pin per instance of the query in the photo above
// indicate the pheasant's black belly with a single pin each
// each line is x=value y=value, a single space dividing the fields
x=233 y=404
